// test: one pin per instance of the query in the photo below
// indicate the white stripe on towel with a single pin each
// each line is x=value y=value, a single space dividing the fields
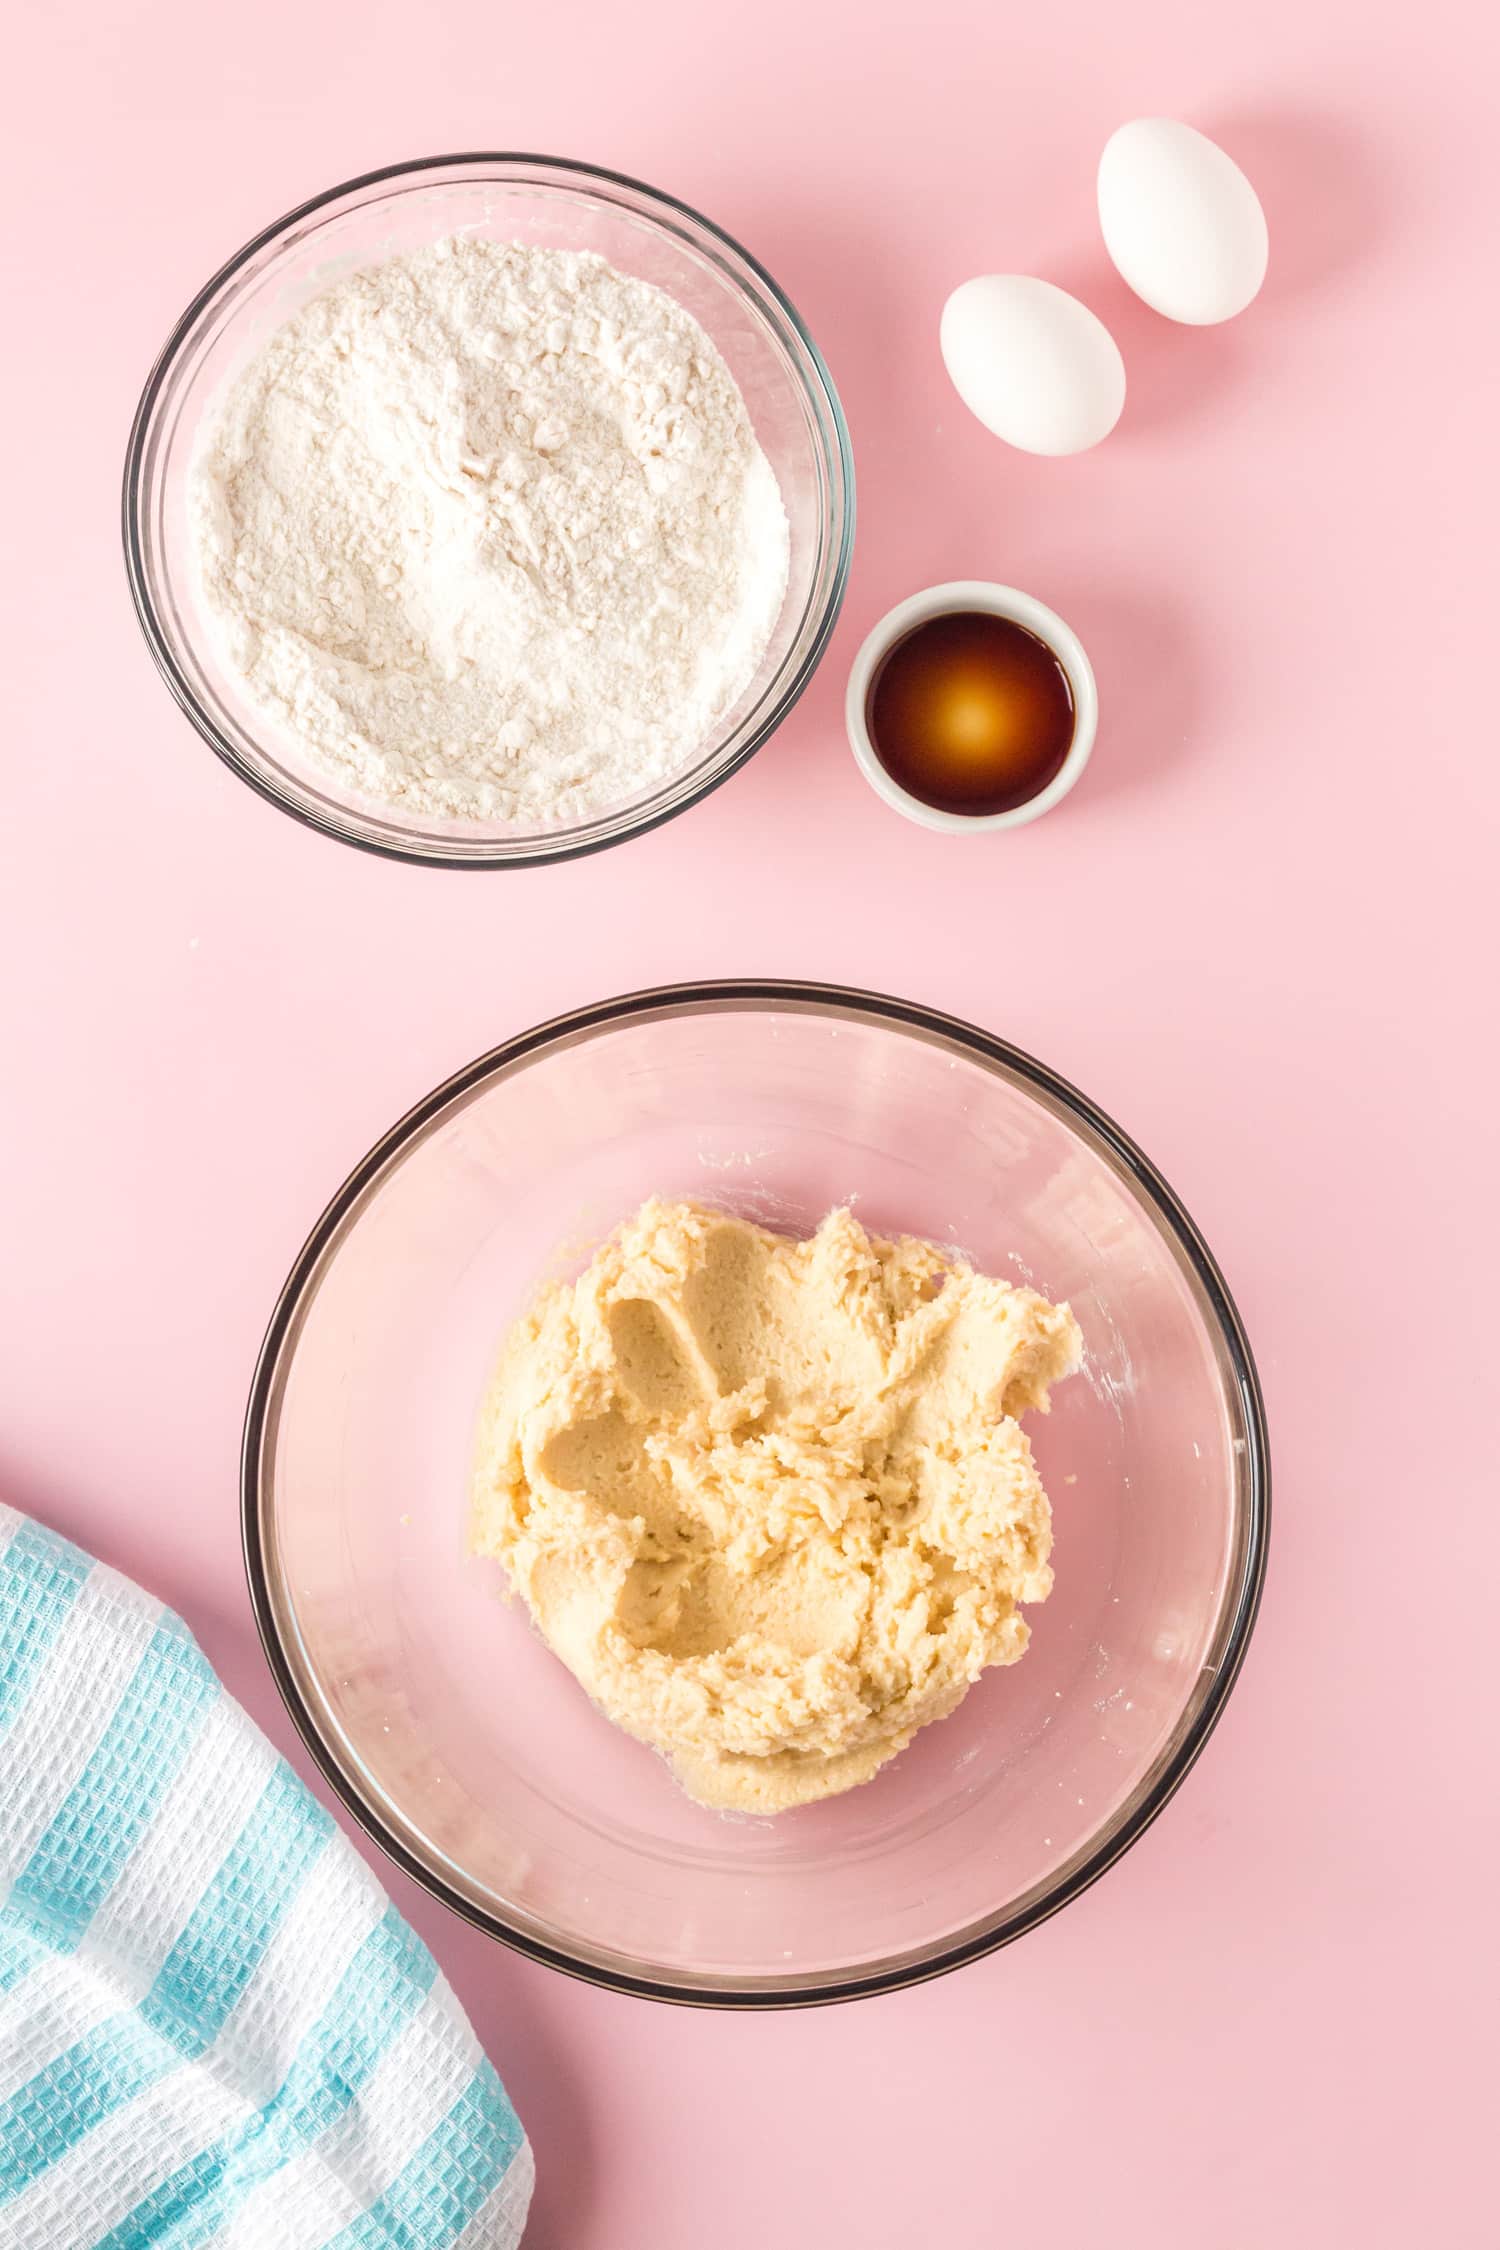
x=333 y=1913
x=409 y=2093
x=213 y=1794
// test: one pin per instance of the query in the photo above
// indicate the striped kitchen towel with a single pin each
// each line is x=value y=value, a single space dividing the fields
x=214 y=2026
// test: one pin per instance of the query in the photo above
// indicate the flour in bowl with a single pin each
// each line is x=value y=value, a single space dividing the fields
x=487 y=528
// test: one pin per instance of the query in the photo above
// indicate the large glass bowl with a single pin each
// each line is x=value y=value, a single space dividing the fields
x=533 y=199
x=463 y=1744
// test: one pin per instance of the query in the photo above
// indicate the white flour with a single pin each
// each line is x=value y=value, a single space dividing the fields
x=488 y=529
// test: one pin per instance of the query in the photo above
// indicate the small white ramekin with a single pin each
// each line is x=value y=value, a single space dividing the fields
x=998 y=601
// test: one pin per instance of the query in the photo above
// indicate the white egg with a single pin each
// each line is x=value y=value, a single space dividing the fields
x=1036 y=366
x=1181 y=221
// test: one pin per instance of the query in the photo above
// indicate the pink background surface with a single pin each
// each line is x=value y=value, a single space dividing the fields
x=1257 y=933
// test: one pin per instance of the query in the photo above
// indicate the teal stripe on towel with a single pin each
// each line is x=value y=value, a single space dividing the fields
x=204 y=1974
x=101 y=1820
x=40 y=1575
x=52 y=2113
x=236 y=1918
x=430 y=2203
x=110 y=2132
x=19 y=1954
x=382 y=1988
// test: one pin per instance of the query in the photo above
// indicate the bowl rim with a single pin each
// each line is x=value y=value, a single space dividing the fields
x=1240 y=1610
x=577 y=175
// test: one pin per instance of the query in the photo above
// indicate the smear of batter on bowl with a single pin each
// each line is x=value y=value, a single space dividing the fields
x=769 y=1499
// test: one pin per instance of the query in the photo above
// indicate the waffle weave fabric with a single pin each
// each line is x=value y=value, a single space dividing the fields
x=214 y=2026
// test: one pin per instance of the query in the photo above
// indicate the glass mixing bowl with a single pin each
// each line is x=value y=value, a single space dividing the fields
x=787 y=388
x=463 y=1744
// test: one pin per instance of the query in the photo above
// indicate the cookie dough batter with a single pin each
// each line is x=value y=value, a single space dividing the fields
x=770 y=1500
